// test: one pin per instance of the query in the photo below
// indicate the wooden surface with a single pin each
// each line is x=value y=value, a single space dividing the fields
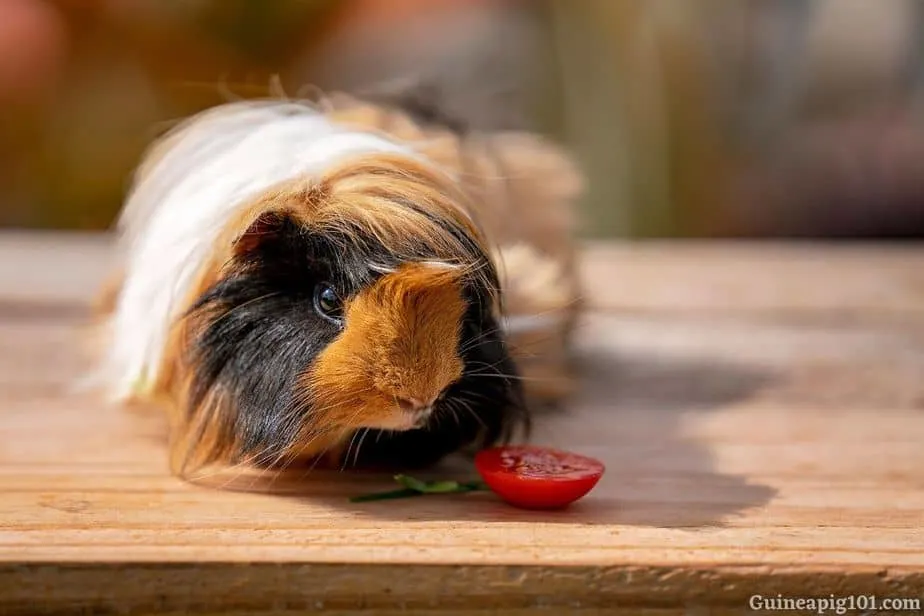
x=760 y=408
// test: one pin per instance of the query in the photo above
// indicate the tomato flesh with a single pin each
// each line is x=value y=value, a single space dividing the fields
x=533 y=477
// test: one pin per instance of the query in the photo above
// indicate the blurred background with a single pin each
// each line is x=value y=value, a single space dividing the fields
x=718 y=118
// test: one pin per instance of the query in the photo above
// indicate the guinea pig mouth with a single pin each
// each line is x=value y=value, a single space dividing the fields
x=400 y=418
x=415 y=418
x=423 y=417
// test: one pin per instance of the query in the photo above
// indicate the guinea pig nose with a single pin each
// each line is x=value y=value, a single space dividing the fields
x=412 y=405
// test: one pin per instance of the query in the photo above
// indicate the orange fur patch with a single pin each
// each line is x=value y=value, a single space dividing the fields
x=400 y=341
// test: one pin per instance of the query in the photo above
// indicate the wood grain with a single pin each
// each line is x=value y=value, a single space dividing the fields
x=758 y=440
x=837 y=280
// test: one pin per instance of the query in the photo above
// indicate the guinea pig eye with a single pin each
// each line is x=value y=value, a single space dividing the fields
x=327 y=303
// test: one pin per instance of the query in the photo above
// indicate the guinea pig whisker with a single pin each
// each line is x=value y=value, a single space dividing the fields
x=474 y=395
x=365 y=432
x=509 y=377
x=454 y=411
x=319 y=433
x=569 y=304
x=470 y=344
x=359 y=445
x=218 y=471
x=455 y=415
x=466 y=406
x=318 y=457
x=270 y=459
x=264 y=461
x=346 y=457
x=286 y=457
x=240 y=467
x=485 y=366
x=436 y=421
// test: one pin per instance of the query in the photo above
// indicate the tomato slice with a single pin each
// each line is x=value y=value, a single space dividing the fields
x=532 y=477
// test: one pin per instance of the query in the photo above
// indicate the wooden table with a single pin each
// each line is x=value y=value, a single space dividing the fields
x=760 y=408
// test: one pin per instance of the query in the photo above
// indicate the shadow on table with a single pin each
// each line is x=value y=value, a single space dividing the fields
x=630 y=414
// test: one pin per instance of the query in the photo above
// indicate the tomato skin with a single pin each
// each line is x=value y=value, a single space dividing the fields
x=532 y=477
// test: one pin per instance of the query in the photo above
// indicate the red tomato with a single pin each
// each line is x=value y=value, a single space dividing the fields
x=534 y=477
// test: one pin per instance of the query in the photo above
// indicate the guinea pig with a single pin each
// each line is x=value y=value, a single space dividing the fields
x=342 y=282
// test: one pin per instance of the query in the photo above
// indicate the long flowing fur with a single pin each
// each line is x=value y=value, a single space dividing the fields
x=210 y=209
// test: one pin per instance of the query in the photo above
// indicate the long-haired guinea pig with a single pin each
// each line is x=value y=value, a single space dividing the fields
x=295 y=275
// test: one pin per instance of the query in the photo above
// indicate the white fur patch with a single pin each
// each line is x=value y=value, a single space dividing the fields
x=444 y=265
x=222 y=160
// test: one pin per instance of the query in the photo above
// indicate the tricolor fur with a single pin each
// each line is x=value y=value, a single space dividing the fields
x=451 y=253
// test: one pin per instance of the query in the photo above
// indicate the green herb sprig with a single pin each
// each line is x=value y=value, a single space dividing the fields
x=416 y=487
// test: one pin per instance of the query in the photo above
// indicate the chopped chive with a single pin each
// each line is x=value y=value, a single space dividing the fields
x=411 y=483
x=416 y=487
x=442 y=487
x=432 y=487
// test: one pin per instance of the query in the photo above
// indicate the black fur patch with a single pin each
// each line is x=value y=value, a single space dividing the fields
x=260 y=332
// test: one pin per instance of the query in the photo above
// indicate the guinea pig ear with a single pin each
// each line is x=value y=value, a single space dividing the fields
x=267 y=226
